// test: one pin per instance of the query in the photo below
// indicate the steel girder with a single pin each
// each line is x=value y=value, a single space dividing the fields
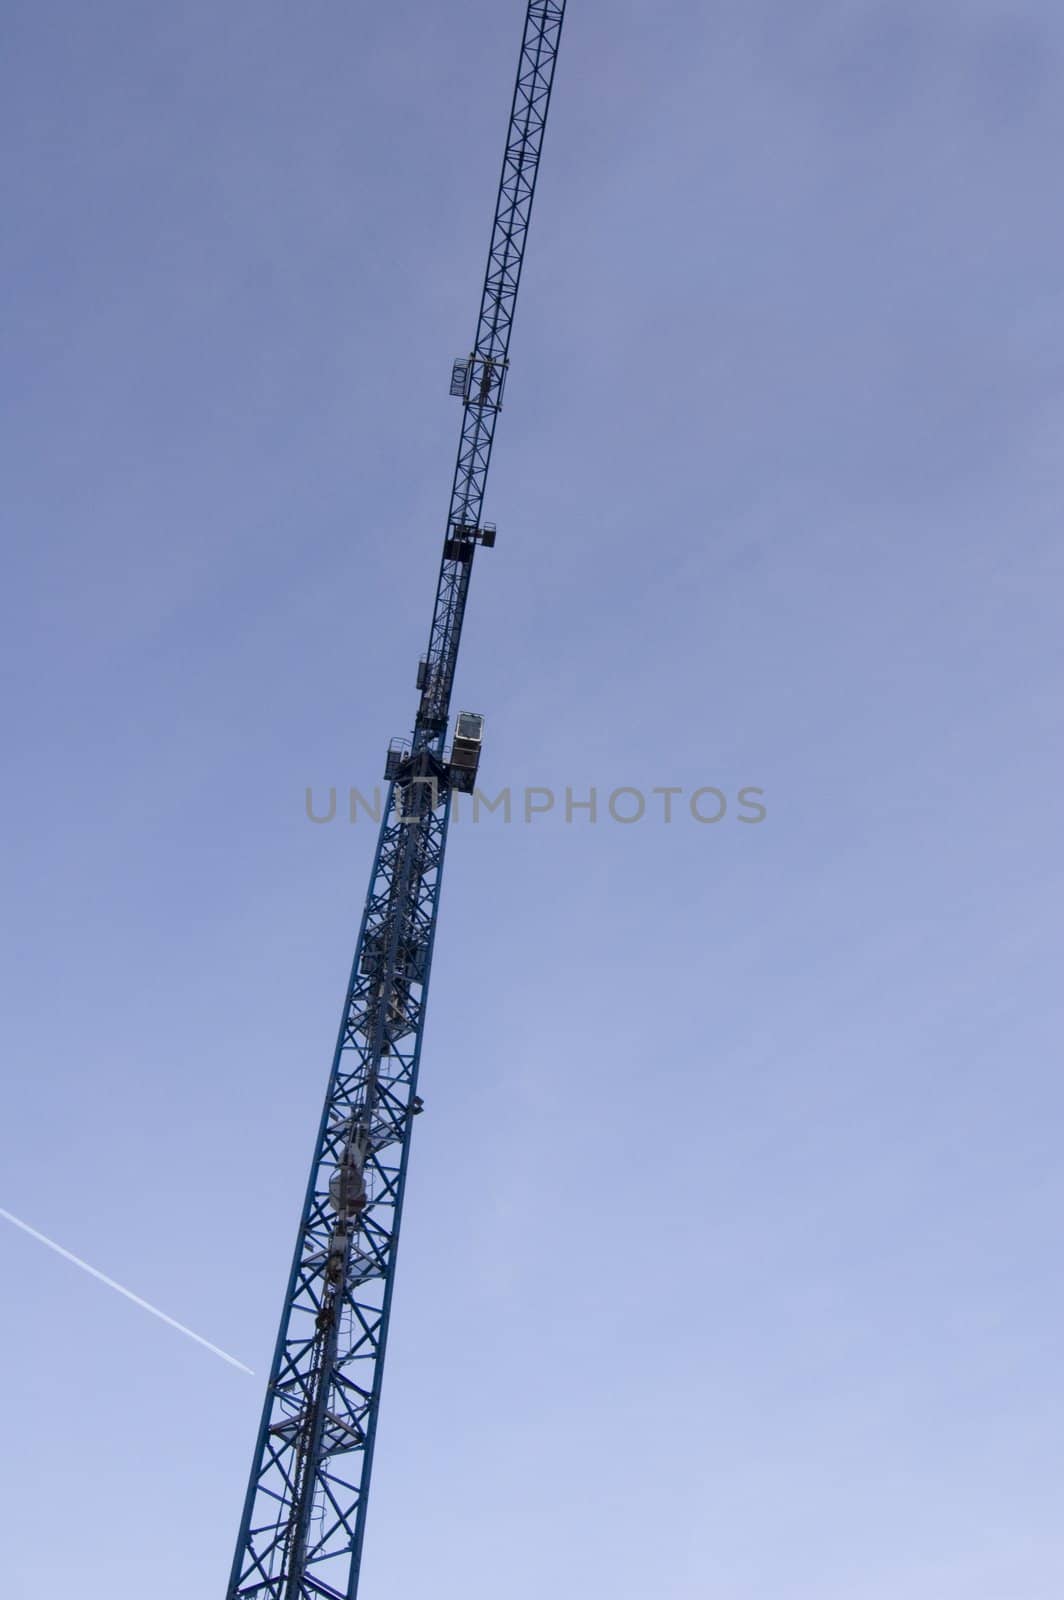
x=304 y=1514
x=489 y=358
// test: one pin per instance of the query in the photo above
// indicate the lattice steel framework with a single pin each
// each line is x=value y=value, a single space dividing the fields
x=303 y=1524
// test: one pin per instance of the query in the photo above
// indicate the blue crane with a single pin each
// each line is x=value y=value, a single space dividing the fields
x=304 y=1518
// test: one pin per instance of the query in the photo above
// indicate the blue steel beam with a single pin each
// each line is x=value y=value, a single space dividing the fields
x=303 y=1523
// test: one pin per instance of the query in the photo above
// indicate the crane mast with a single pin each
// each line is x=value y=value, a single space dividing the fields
x=303 y=1523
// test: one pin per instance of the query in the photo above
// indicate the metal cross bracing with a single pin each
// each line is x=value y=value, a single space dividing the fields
x=303 y=1524
x=480 y=378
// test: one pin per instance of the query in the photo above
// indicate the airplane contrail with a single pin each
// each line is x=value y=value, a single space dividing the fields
x=68 y=1255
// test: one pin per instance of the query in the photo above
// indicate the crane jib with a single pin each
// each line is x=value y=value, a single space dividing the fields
x=303 y=1523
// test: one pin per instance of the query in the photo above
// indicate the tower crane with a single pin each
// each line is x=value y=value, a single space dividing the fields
x=304 y=1517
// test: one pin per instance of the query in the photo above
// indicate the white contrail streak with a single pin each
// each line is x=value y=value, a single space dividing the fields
x=111 y=1284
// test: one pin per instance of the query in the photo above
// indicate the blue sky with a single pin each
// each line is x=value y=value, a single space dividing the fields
x=731 y=1265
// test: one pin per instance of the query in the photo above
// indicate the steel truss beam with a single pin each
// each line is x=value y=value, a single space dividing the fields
x=303 y=1524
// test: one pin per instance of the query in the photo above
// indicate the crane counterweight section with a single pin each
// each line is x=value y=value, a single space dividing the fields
x=465 y=751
